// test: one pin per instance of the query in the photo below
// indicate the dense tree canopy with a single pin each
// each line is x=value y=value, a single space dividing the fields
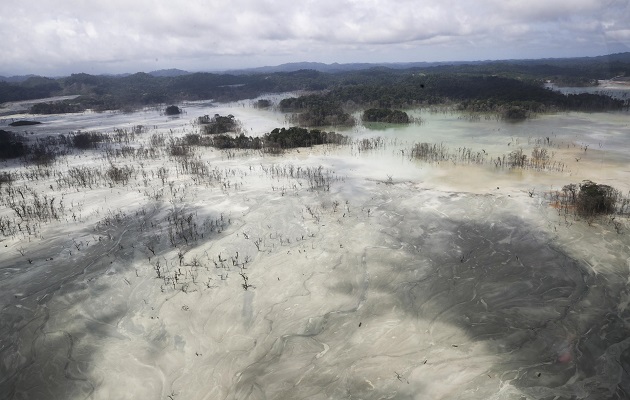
x=263 y=103
x=60 y=107
x=219 y=124
x=316 y=110
x=593 y=199
x=11 y=145
x=172 y=110
x=492 y=86
x=385 y=115
x=278 y=139
x=300 y=137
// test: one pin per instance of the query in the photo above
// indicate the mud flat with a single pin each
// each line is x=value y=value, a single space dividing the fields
x=325 y=272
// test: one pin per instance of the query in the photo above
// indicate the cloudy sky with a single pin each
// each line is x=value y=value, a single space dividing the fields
x=59 y=37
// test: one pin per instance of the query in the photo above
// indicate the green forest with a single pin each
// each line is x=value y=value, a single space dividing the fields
x=385 y=115
x=512 y=89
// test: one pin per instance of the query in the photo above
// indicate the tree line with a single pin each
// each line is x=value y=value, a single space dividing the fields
x=487 y=87
x=277 y=140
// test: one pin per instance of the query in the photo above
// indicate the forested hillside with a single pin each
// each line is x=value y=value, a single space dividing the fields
x=491 y=86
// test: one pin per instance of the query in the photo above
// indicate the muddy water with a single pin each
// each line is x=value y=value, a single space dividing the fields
x=400 y=279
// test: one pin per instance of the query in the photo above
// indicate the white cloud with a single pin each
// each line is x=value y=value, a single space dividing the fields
x=620 y=35
x=60 y=35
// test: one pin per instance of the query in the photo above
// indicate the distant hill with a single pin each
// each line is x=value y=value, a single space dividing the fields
x=336 y=67
x=574 y=61
x=115 y=92
x=169 y=72
x=160 y=73
x=16 y=78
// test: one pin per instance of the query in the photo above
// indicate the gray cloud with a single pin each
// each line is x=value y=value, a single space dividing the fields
x=61 y=36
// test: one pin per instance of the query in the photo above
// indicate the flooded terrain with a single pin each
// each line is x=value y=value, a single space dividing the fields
x=355 y=271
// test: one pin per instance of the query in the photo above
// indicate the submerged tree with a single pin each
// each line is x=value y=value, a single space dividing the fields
x=219 y=124
x=517 y=159
x=12 y=145
x=594 y=199
x=263 y=103
x=385 y=115
x=172 y=110
x=515 y=114
x=540 y=157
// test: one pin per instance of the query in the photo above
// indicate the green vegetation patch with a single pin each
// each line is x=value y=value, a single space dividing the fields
x=59 y=107
x=172 y=110
x=316 y=110
x=219 y=124
x=277 y=140
x=385 y=115
x=301 y=137
x=590 y=199
x=12 y=145
x=594 y=198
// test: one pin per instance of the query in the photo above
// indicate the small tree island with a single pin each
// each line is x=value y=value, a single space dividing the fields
x=172 y=110
x=219 y=124
x=385 y=115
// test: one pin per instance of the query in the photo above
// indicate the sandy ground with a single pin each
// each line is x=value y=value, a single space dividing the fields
x=392 y=279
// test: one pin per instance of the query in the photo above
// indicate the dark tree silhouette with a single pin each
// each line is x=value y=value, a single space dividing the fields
x=172 y=110
x=594 y=199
